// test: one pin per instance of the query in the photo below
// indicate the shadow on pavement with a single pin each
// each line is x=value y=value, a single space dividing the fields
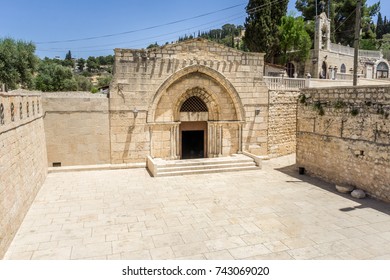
x=367 y=202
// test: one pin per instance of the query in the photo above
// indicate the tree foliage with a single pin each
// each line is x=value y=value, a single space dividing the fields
x=68 y=61
x=17 y=63
x=382 y=26
x=92 y=64
x=294 y=40
x=83 y=83
x=54 y=77
x=104 y=80
x=81 y=64
x=261 y=25
x=228 y=35
x=342 y=16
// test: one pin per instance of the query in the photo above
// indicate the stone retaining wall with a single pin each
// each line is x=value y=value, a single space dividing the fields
x=282 y=122
x=76 y=128
x=23 y=161
x=343 y=136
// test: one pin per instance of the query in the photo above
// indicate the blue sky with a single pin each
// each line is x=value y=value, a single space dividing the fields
x=45 y=21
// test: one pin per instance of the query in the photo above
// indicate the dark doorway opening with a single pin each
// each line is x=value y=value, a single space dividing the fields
x=290 y=68
x=192 y=144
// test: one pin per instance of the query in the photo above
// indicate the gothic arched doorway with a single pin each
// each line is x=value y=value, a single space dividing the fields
x=193 y=128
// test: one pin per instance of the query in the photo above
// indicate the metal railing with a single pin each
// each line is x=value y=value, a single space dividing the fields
x=281 y=83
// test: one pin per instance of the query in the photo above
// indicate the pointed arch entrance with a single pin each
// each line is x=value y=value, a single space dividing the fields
x=193 y=133
x=196 y=113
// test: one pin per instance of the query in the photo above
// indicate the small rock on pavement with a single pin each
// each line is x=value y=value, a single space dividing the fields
x=358 y=193
x=344 y=189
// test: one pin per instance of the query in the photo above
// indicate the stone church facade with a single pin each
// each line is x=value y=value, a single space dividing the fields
x=333 y=61
x=195 y=99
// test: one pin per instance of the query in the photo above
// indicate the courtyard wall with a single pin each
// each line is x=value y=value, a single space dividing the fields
x=343 y=136
x=76 y=128
x=23 y=161
x=282 y=122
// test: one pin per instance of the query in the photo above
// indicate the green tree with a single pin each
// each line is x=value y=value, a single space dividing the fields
x=17 y=63
x=54 y=77
x=151 y=46
x=104 y=80
x=92 y=64
x=68 y=56
x=261 y=25
x=83 y=83
x=295 y=42
x=385 y=45
x=342 y=16
x=68 y=61
x=81 y=64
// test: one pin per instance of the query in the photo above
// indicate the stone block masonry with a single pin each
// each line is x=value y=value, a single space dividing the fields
x=282 y=122
x=23 y=161
x=76 y=128
x=149 y=87
x=343 y=136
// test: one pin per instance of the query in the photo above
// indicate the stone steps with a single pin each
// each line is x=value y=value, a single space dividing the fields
x=201 y=166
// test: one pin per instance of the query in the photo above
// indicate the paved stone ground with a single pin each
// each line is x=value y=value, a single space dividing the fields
x=273 y=213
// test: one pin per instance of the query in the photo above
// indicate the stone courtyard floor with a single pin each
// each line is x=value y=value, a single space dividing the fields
x=272 y=213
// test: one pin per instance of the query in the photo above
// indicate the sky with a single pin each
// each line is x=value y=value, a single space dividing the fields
x=94 y=28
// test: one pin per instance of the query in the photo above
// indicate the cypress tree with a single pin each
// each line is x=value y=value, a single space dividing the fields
x=380 y=27
x=261 y=26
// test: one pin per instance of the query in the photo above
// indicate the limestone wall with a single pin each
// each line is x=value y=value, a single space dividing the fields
x=150 y=83
x=343 y=136
x=282 y=122
x=23 y=162
x=77 y=128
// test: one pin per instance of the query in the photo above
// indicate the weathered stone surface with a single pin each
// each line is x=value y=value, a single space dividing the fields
x=77 y=128
x=156 y=82
x=343 y=148
x=358 y=193
x=23 y=160
x=344 y=188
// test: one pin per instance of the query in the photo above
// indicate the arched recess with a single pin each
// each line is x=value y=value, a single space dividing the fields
x=382 y=70
x=208 y=99
x=212 y=74
x=343 y=68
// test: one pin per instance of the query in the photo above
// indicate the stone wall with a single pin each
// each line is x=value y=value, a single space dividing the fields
x=148 y=86
x=343 y=136
x=76 y=128
x=23 y=162
x=282 y=122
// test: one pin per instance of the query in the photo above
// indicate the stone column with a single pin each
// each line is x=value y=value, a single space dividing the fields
x=177 y=137
x=173 y=140
x=215 y=140
x=239 y=138
x=220 y=141
x=151 y=140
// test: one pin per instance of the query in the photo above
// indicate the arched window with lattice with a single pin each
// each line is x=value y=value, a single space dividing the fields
x=194 y=104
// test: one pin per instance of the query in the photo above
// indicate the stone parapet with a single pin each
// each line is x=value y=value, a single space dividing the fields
x=23 y=162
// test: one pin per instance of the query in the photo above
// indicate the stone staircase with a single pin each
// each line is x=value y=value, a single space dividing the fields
x=237 y=162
